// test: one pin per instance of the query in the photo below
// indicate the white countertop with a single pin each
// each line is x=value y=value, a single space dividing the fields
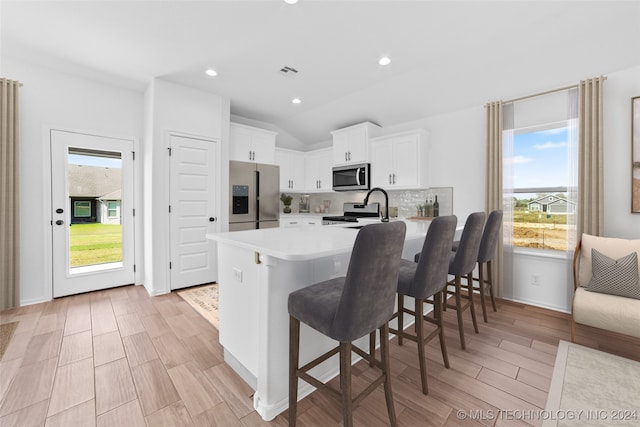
x=305 y=243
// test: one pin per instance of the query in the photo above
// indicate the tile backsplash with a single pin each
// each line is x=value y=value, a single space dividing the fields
x=405 y=200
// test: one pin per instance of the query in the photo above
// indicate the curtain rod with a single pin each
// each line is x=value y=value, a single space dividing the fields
x=543 y=93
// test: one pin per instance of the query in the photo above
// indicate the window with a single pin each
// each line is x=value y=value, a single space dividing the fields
x=112 y=209
x=543 y=212
x=82 y=208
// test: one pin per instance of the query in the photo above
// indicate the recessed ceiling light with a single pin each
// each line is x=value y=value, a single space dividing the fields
x=291 y=1
x=385 y=60
x=211 y=72
x=296 y=100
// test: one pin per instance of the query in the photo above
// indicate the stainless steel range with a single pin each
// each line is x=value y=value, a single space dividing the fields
x=353 y=211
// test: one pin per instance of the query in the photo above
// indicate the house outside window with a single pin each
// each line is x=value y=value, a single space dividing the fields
x=82 y=208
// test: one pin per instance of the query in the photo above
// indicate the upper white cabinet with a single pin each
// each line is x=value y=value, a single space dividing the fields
x=292 y=169
x=399 y=161
x=350 y=144
x=249 y=144
x=318 y=170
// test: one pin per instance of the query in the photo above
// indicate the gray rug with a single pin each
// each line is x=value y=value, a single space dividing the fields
x=592 y=388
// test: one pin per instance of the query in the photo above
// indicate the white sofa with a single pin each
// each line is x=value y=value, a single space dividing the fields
x=609 y=312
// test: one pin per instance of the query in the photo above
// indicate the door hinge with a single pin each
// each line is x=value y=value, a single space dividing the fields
x=169 y=208
x=134 y=212
x=133 y=153
x=169 y=150
x=134 y=268
x=169 y=265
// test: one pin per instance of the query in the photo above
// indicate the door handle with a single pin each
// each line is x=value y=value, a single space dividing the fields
x=211 y=219
x=59 y=222
x=59 y=210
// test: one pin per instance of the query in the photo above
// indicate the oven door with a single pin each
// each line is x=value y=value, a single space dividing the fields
x=351 y=177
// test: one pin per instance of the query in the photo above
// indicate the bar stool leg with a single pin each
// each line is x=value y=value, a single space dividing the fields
x=400 y=317
x=472 y=305
x=345 y=383
x=384 y=351
x=437 y=312
x=294 y=352
x=419 y=323
x=482 y=291
x=458 y=297
x=490 y=279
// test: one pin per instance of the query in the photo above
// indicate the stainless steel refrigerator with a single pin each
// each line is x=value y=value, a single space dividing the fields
x=254 y=196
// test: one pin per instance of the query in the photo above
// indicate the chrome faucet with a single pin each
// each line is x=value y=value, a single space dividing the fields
x=385 y=218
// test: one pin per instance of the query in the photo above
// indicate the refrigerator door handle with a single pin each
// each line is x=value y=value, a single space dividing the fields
x=257 y=195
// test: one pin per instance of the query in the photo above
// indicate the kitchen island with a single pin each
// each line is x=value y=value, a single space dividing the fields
x=257 y=271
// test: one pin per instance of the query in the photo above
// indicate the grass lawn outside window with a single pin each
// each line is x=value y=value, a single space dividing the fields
x=95 y=243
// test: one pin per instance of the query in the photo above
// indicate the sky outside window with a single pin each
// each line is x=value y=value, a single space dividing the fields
x=540 y=159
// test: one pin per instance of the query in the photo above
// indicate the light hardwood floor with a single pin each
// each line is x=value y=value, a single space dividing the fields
x=122 y=358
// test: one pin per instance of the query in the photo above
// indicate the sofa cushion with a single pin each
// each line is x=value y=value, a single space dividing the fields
x=609 y=312
x=615 y=276
x=609 y=246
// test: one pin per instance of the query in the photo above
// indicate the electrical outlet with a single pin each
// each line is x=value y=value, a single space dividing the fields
x=535 y=280
x=237 y=274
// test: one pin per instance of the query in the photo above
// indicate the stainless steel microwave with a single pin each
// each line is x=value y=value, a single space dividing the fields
x=352 y=177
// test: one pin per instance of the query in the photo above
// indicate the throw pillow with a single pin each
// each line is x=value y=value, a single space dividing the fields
x=615 y=276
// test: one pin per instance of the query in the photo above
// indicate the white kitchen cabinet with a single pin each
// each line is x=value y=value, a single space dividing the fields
x=287 y=220
x=399 y=161
x=299 y=220
x=318 y=167
x=351 y=144
x=250 y=144
x=292 y=169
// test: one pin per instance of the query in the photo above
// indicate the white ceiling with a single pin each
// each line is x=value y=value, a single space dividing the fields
x=447 y=55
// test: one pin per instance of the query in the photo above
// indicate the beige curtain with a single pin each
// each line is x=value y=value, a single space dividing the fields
x=9 y=196
x=590 y=159
x=493 y=183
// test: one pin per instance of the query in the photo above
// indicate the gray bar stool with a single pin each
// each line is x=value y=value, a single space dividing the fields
x=462 y=263
x=347 y=308
x=486 y=254
x=421 y=281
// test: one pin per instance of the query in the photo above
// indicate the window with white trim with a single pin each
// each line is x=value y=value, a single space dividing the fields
x=82 y=208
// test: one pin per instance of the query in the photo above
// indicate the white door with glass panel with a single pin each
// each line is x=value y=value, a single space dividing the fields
x=192 y=211
x=92 y=212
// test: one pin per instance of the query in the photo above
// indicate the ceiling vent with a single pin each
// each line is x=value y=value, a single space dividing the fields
x=288 y=71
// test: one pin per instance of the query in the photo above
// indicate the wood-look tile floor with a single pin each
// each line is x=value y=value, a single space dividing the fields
x=122 y=358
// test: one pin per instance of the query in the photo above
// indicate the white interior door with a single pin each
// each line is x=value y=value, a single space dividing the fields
x=92 y=212
x=192 y=213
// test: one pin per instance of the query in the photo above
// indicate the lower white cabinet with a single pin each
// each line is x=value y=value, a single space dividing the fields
x=399 y=161
x=299 y=220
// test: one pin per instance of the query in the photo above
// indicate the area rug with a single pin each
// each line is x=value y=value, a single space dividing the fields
x=592 y=388
x=6 y=332
x=204 y=300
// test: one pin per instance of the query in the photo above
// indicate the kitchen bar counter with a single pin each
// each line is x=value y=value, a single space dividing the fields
x=257 y=271
x=306 y=243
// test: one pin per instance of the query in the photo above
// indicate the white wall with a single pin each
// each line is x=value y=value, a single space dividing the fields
x=175 y=108
x=455 y=156
x=555 y=288
x=53 y=99
x=619 y=88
